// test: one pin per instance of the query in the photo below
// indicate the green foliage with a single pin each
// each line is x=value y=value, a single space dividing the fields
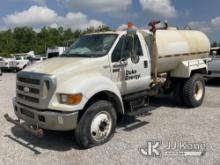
x=25 y=39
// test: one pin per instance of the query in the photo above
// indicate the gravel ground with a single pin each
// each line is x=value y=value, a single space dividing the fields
x=165 y=123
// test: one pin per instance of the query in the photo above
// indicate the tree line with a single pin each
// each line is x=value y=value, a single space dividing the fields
x=25 y=39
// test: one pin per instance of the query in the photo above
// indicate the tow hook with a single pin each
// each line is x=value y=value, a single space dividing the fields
x=36 y=132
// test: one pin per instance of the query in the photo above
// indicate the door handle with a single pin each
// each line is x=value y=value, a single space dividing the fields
x=146 y=64
x=121 y=64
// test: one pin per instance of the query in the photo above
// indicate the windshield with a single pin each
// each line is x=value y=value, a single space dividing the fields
x=18 y=58
x=95 y=45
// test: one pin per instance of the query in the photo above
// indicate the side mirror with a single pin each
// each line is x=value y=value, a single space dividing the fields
x=132 y=54
x=134 y=57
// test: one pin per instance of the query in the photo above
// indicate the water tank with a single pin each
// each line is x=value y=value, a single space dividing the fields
x=174 y=46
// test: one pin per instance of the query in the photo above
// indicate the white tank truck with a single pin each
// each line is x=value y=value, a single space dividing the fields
x=104 y=76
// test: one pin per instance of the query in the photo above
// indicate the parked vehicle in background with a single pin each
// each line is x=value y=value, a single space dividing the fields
x=4 y=63
x=37 y=59
x=214 y=64
x=104 y=76
x=55 y=52
x=20 y=62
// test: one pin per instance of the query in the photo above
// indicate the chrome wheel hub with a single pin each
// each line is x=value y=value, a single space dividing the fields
x=198 y=90
x=101 y=126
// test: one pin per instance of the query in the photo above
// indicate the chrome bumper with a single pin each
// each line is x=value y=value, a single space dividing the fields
x=50 y=120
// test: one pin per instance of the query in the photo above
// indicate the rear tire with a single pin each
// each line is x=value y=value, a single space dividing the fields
x=178 y=92
x=194 y=91
x=97 y=125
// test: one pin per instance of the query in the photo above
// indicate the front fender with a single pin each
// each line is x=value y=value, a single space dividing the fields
x=88 y=86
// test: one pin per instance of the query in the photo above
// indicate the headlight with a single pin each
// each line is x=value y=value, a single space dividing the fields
x=17 y=63
x=70 y=99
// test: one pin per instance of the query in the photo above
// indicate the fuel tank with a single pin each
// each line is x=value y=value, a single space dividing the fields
x=174 y=46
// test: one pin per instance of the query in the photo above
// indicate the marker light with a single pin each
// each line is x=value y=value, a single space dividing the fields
x=130 y=25
x=70 y=99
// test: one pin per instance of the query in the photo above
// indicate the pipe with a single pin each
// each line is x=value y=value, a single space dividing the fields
x=36 y=132
x=155 y=61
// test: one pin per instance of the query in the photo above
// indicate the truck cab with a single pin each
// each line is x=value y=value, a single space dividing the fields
x=20 y=62
x=54 y=52
x=99 y=79
x=214 y=63
x=4 y=63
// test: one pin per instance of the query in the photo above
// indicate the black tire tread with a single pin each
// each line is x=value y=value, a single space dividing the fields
x=187 y=91
x=81 y=135
x=178 y=92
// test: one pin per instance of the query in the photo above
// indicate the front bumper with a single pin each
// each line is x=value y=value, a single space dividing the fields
x=14 y=67
x=5 y=68
x=48 y=119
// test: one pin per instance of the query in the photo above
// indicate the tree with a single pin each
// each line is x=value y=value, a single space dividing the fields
x=25 y=39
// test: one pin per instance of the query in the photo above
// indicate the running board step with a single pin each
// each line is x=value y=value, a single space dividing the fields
x=135 y=96
x=139 y=112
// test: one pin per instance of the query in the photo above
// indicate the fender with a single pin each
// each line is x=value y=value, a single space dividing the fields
x=185 y=68
x=88 y=85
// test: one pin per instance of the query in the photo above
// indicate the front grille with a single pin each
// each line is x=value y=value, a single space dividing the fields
x=34 y=89
x=13 y=63
x=28 y=98
x=29 y=81
x=2 y=63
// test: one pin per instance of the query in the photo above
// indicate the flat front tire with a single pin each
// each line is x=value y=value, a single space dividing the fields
x=97 y=125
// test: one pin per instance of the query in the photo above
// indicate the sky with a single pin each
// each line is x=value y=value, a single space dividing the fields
x=201 y=15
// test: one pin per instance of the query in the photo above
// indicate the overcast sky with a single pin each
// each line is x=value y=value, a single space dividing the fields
x=203 y=15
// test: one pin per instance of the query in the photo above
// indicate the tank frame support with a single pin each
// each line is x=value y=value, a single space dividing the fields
x=185 y=68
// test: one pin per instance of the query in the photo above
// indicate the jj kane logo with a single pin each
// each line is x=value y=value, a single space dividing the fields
x=153 y=149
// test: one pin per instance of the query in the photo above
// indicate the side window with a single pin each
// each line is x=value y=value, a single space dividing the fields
x=137 y=46
x=117 y=53
x=124 y=47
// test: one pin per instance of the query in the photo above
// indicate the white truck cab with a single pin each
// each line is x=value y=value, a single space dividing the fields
x=55 y=52
x=4 y=63
x=20 y=62
x=37 y=59
x=104 y=76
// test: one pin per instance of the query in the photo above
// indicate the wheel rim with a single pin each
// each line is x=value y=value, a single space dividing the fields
x=101 y=126
x=198 y=90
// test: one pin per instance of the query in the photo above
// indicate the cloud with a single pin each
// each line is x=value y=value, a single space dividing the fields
x=34 y=16
x=38 y=16
x=210 y=26
x=102 y=6
x=201 y=26
x=125 y=27
x=160 y=7
x=216 y=21
x=40 y=2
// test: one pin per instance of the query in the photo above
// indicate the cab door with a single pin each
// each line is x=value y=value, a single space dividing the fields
x=128 y=76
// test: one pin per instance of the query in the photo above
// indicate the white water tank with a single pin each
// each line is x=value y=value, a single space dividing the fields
x=175 y=46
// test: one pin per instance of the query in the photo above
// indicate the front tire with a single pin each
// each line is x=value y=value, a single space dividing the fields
x=97 y=125
x=194 y=91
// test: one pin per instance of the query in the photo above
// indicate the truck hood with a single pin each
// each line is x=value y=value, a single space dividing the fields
x=61 y=65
